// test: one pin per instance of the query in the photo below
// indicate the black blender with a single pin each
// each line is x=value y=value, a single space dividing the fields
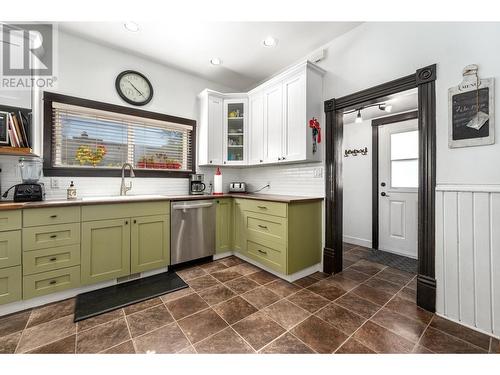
x=30 y=190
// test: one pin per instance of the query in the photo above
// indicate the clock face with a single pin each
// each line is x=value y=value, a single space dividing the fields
x=134 y=87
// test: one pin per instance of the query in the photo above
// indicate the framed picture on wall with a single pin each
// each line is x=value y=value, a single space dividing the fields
x=471 y=118
x=4 y=128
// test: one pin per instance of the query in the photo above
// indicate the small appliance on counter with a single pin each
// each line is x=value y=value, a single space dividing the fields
x=196 y=185
x=30 y=190
x=237 y=187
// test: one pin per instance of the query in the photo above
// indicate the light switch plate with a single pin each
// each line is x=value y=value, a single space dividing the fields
x=317 y=172
x=54 y=183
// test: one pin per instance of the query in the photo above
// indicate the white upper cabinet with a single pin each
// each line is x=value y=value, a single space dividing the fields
x=275 y=126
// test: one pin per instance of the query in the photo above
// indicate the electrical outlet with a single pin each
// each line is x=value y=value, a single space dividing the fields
x=54 y=183
x=317 y=172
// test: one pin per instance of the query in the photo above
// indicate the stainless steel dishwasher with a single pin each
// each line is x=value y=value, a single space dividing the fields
x=192 y=234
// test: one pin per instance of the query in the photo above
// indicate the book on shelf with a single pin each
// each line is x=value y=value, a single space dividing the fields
x=17 y=129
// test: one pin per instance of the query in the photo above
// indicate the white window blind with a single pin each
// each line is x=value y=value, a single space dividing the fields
x=90 y=138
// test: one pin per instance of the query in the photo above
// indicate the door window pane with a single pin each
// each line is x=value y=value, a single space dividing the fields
x=404 y=173
x=404 y=145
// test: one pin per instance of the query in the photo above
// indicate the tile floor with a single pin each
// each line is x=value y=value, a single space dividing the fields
x=234 y=307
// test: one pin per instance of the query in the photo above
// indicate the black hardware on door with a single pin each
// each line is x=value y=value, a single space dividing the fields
x=383 y=194
x=382 y=184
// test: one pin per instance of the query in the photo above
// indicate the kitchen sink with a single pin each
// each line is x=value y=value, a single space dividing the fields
x=124 y=197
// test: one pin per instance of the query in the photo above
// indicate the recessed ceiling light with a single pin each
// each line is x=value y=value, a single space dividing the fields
x=270 y=41
x=215 y=61
x=131 y=26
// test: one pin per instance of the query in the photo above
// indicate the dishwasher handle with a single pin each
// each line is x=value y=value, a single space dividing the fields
x=191 y=206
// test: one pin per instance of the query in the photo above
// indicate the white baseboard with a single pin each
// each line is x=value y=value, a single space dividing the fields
x=59 y=296
x=357 y=241
x=398 y=252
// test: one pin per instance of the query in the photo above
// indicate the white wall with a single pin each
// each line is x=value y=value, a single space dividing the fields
x=357 y=185
x=88 y=70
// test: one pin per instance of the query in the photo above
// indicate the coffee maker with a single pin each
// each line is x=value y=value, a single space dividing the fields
x=196 y=185
x=30 y=189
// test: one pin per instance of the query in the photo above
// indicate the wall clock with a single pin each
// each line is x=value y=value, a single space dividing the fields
x=134 y=87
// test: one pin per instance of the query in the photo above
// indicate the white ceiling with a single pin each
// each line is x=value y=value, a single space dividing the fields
x=190 y=46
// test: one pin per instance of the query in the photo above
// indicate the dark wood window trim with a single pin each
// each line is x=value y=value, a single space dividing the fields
x=423 y=79
x=49 y=170
x=375 y=187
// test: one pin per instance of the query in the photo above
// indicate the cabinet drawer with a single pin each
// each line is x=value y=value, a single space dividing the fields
x=50 y=215
x=265 y=207
x=50 y=282
x=266 y=228
x=10 y=248
x=51 y=236
x=37 y=261
x=268 y=256
x=121 y=210
x=10 y=219
x=10 y=284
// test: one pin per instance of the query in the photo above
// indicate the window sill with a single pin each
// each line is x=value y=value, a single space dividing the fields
x=77 y=172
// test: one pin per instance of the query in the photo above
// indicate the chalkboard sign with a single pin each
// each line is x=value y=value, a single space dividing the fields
x=471 y=111
x=4 y=134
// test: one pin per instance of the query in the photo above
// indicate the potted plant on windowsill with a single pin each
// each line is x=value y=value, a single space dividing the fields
x=158 y=161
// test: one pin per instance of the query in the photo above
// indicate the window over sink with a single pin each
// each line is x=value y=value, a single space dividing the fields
x=88 y=138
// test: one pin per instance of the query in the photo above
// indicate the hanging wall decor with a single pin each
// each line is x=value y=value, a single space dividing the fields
x=316 y=133
x=355 y=152
x=471 y=112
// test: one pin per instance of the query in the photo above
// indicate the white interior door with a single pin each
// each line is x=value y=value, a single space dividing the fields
x=398 y=187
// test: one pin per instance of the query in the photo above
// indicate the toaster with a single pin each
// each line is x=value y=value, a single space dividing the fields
x=237 y=187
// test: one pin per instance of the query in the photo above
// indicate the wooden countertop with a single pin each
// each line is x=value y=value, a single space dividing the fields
x=10 y=205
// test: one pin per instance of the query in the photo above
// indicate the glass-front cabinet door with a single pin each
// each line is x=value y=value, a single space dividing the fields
x=235 y=131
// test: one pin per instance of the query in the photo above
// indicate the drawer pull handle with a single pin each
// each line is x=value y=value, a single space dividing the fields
x=53 y=259
x=263 y=252
x=52 y=282
x=262 y=207
x=53 y=216
x=53 y=236
x=263 y=226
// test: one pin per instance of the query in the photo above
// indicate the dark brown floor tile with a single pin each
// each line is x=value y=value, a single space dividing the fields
x=353 y=346
x=305 y=281
x=358 y=305
x=383 y=285
x=287 y=344
x=351 y=258
x=167 y=339
x=495 y=346
x=412 y=284
x=343 y=282
x=50 y=312
x=285 y=313
x=63 y=346
x=201 y=325
x=226 y=275
x=308 y=300
x=231 y=261
x=188 y=350
x=42 y=334
x=191 y=273
x=235 y=309
x=419 y=349
x=440 y=342
x=136 y=307
x=354 y=275
x=102 y=337
x=245 y=268
x=8 y=343
x=341 y=318
x=409 y=309
x=202 y=282
x=320 y=275
x=216 y=294
x=262 y=277
x=319 y=335
x=408 y=294
x=241 y=285
x=347 y=263
x=408 y=328
x=327 y=289
x=147 y=320
x=373 y=295
x=282 y=288
x=359 y=253
x=260 y=297
x=125 y=348
x=382 y=340
x=367 y=267
x=185 y=306
x=224 y=342
x=13 y=322
x=348 y=246
x=462 y=332
x=99 y=319
x=395 y=276
x=212 y=267
x=177 y=294
x=258 y=330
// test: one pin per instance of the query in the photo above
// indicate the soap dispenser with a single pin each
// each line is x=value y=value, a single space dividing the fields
x=71 y=191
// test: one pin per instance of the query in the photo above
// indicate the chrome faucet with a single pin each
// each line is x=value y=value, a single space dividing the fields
x=124 y=188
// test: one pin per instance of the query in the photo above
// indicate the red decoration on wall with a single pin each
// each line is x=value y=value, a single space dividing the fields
x=316 y=132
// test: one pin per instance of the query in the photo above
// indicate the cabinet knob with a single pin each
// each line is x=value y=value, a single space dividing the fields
x=279 y=158
x=135 y=221
x=210 y=161
x=283 y=158
x=126 y=222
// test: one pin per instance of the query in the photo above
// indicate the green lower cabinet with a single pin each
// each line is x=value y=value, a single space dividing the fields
x=105 y=252
x=150 y=243
x=238 y=227
x=10 y=248
x=51 y=282
x=224 y=227
x=10 y=284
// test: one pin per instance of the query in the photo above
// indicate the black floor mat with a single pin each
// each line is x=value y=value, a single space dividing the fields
x=393 y=260
x=114 y=297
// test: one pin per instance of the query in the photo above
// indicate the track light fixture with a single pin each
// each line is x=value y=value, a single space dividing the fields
x=359 y=118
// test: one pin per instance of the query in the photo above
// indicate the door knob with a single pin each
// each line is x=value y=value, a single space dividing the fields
x=382 y=184
x=383 y=194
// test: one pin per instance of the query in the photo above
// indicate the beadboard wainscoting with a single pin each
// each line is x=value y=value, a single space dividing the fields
x=468 y=255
